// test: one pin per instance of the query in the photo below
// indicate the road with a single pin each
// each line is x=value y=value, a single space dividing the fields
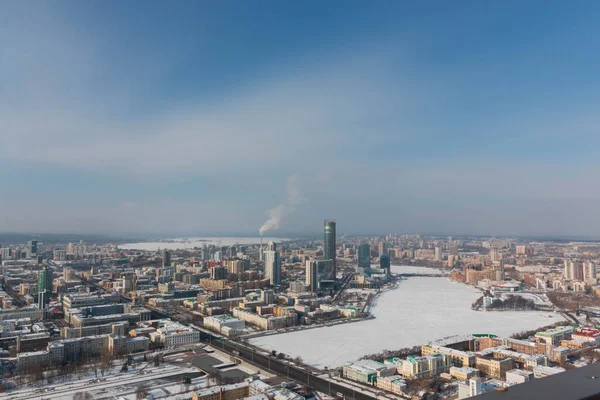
x=344 y=284
x=285 y=370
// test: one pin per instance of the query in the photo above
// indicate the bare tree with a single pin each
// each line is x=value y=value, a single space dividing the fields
x=141 y=393
x=82 y=396
x=590 y=355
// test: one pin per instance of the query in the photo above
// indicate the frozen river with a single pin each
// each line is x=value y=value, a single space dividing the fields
x=420 y=310
x=190 y=243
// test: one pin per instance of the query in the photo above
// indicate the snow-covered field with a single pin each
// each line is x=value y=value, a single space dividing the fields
x=189 y=243
x=420 y=310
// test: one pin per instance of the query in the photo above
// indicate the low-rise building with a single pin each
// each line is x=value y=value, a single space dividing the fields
x=528 y=361
x=463 y=373
x=394 y=384
x=171 y=334
x=495 y=368
x=587 y=335
x=226 y=392
x=459 y=358
x=516 y=376
x=218 y=322
x=554 y=336
x=80 y=300
x=425 y=366
x=366 y=371
x=542 y=371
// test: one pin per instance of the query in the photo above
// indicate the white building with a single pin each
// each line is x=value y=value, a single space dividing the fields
x=589 y=273
x=571 y=271
x=542 y=371
x=172 y=334
x=218 y=322
x=470 y=388
x=494 y=254
x=312 y=275
x=272 y=264
x=516 y=376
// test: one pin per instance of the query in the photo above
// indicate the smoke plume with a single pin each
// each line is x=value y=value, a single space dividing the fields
x=278 y=213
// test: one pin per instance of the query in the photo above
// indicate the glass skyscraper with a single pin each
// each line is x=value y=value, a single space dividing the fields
x=364 y=255
x=329 y=252
x=384 y=263
x=45 y=280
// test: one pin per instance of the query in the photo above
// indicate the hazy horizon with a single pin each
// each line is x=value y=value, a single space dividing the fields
x=468 y=118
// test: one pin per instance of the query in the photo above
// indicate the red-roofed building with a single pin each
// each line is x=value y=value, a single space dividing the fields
x=587 y=334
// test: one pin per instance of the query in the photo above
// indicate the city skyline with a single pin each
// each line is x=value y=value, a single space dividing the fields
x=453 y=119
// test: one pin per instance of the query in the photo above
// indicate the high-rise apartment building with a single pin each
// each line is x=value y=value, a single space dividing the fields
x=382 y=249
x=571 y=271
x=589 y=273
x=272 y=264
x=312 y=275
x=499 y=270
x=330 y=245
x=494 y=254
x=5 y=254
x=438 y=253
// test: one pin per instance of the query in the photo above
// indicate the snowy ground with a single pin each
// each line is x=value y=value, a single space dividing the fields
x=113 y=385
x=189 y=243
x=538 y=299
x=420 y=310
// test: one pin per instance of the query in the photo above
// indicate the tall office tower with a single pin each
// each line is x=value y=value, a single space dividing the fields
x=44 y=286
x=45 y=280
x=589 y=273
x=494 y=254
x=166 y=258
x=438 y=253
x=312 y=275
x=272 y=264
x=364 y=255
x=384 y=263
x=32 y=249
x=330 y=245
x=204 y=253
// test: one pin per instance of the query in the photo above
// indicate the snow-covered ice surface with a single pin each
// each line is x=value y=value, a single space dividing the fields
x=420 y=310
x=190 y=243
x=407 y=269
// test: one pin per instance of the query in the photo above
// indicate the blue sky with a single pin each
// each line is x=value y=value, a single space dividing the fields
x=392 y=116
